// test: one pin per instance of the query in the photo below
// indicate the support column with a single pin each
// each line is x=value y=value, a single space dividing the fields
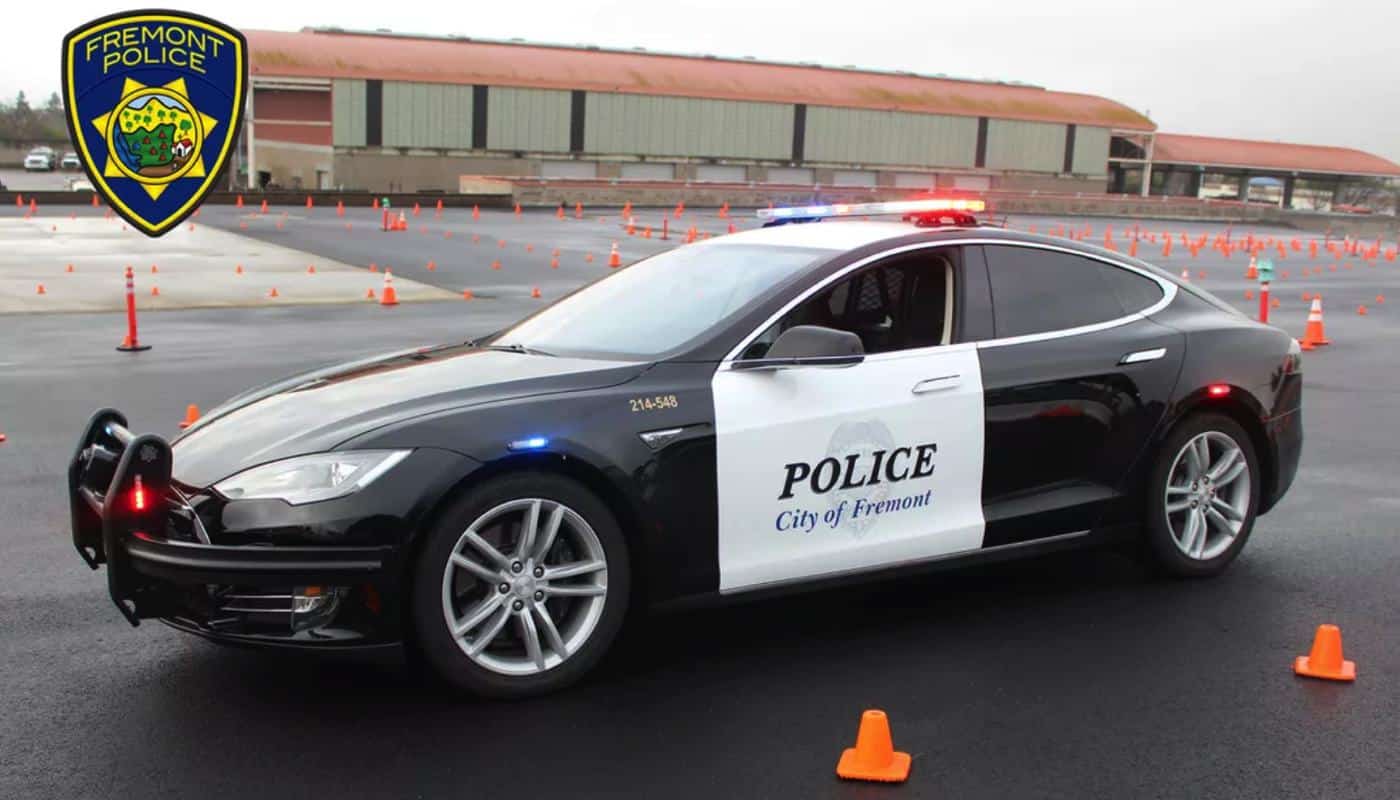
x=1288 y=183
x=1243 y=195
x=1147 y=166
x=249 y=131
x=1193 y=183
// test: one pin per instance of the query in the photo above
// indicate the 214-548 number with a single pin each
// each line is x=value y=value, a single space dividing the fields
x=658 y=402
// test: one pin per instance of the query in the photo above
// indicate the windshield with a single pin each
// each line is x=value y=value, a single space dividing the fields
x=656 y=305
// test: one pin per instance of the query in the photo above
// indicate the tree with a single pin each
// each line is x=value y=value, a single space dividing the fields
x=54 y=103
x=21 y=104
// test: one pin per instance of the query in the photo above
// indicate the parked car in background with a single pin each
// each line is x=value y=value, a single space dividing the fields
x=41 y=159
x=70 y=161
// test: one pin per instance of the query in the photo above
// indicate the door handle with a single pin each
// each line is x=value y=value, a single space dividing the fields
x=937 y=384
x=1140 y=356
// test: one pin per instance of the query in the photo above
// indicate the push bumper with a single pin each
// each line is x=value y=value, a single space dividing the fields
x=125 y=512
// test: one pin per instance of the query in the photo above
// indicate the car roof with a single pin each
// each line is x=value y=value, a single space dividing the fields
x=837 y=235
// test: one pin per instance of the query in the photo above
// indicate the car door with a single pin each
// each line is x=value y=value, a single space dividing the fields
x=824 y=470
x=1076 y=380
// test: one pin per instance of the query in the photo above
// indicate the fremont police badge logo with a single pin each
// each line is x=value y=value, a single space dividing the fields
x=154 y=102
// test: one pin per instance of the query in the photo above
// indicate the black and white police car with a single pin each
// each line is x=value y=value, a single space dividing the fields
x=786 y=407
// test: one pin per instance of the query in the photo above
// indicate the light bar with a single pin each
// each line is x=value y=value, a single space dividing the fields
x=899 y=207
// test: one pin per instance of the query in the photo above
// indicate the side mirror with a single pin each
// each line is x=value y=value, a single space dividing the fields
x=808 y=346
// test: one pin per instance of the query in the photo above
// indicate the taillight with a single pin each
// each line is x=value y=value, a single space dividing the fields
x=1218 y=390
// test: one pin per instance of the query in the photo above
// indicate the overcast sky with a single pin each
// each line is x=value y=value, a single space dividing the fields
x=1319 y=72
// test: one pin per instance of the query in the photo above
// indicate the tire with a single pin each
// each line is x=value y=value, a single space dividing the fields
x=1168 y=533
x=583 y=621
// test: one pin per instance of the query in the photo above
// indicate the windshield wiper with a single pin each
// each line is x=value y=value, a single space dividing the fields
x=515 y=347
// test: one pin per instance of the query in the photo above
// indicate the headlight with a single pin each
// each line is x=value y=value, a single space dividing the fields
x=310 y=479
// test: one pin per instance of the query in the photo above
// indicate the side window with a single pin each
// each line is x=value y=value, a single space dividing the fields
x=1037 y=291
x=1135 y=292
x=903 y=303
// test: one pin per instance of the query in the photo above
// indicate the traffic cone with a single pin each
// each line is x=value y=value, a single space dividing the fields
x=1167 y=247
x=517 y=209
x=874 y=757
x=1252 y=274
x=402 y=223
x=94 y=201
x=680 y=209
x=627 y=209
x=588 y=257
x=535 y=292
x=1186 y=274
x=263 y=208
x=70 y=268
x=732 y=229
x=375 y=204
x=308 y=201
x=1315 y=335
x=1275 y=303
x=191 y=416
x=1325 y=661
x=466 y=294
x=559 y=212
x=389 y=297
x=495 y=265
x=340 y=208
x=369 y=294
x=631 y=227
x=578 y=210
x=476 y=238
x=476 y=214
x=1361 y=311
x=373 y=267
x=272 y=293
x=155 y=291
x=310 y=269
x=40 y=289
x=1380 y=299
x=1307 y=296
x=555 y=252
x=554 y=262
x=1249 y=294
x=501 y=243
x=432 y=266
x=237 y=269
x=416 y=209
x=154 y=270
x=437 y=212
x=529 y=248
x=614 y=259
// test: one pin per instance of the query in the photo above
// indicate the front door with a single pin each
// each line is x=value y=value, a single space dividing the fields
x=824 y=471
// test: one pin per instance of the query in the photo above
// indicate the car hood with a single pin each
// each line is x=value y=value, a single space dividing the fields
x=316 y=411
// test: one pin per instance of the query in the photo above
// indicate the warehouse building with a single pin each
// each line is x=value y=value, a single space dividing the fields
x=380 y=111
x=386 y=112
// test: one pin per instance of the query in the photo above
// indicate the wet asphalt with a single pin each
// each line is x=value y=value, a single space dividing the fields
x=1074 y=676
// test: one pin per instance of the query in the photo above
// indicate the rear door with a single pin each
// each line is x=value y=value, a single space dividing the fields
x=1076 y=380
x=824 y=471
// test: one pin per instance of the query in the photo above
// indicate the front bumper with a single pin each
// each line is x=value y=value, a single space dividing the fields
x=128 y=516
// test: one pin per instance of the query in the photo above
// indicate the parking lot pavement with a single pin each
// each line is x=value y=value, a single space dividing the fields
x=22 y=180
x=1078 y=676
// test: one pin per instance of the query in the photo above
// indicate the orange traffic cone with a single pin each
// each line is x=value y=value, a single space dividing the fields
x=495 y=264
x=554 y=262
x=874 y=757
x=1186 y=274
x=432 y=266
x=1249 y=294
x=1380 y=299
x=517 y=209
x=1252 y=274
x=466 y=294
x=375 y=204
x=263 y=208
x=559 y=212
x=437 y=211
x=191 y=416
x=588 y=257
x=1315 y=335
x=238 y=203
x=389 y=297
x=1361 y=311
x=535 y=292
x=273 y=292
x=340 y=208
x=416 y=209
x=237 y=269
x=70 y=268
x=155 y=291
x=154 y=269
x=1325 y=661
x=476 y=214
x=310 y=269
x=41 y=290
x=369 y=294
x=614 y=260
x=578 y=210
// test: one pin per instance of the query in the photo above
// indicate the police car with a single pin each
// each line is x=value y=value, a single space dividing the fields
x=793 y=406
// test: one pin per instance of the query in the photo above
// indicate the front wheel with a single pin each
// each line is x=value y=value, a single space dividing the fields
x=1204 y=495
x=521 y=586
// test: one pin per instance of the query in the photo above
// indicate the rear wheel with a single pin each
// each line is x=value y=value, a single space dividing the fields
x=521 y=587
x=1203 y=497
